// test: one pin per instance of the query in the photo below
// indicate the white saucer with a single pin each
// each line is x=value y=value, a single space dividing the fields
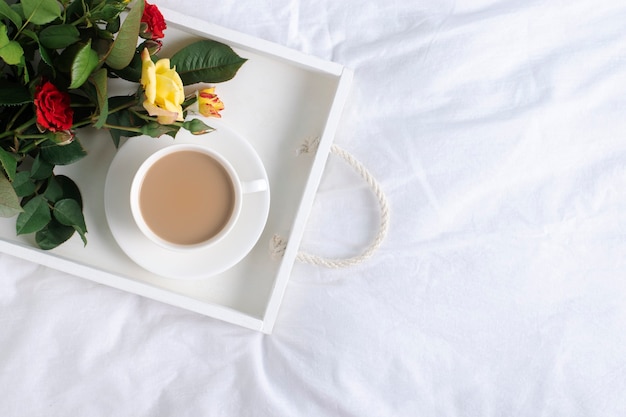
x=201 y=263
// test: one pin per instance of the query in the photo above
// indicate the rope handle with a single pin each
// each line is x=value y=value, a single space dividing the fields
x=278 y=244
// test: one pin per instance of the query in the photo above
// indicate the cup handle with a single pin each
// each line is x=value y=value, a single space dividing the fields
x=254 y=186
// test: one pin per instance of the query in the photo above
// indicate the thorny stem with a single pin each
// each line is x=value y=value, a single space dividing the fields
x=153 y=119
x=34 y=144
x=14 y=118
x=126 y=128
x=17 y=129
x=90 y=120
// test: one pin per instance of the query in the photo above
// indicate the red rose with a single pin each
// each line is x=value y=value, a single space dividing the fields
x=153 y=23
x=53 y=107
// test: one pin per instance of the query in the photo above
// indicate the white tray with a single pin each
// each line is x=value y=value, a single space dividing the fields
x=279 y=98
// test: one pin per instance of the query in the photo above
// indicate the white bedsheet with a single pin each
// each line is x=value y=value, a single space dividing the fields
x=498 y=131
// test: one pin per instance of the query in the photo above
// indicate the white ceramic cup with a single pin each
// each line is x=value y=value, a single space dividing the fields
x=240 y=188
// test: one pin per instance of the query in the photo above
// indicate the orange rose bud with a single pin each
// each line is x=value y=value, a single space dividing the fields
x=209 y=104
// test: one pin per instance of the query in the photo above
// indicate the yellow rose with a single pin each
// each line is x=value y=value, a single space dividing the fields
x=164 y=89
x=209 y=104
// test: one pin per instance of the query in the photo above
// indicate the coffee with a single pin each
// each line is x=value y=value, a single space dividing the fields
x=186 y=197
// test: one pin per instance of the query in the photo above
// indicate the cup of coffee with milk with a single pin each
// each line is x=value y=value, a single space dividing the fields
x=187 y=197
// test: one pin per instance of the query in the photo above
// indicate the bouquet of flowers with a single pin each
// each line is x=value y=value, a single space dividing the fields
x=56 y=62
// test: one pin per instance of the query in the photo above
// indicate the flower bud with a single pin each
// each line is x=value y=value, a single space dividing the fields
x=144 y=31
x=197 y=127
x=63 y=137
x=209 y=104
x=153 y=46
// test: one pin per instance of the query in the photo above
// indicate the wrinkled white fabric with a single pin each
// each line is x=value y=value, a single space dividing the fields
x=498 y=131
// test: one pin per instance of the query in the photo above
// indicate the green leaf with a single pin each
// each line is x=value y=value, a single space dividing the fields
x=19 y=9
x=122 y=117
x=35 y=216
x=62 y=155
x=102 y=44
x=123 y=48
x=116 y=137
x=41 y=12
x=76 y=9
x=9 y=163
x=122 y=101
x=23 y=184
x=53 y=234
x=4 y=37
x=65 y=195
x=111 y=11
x=9 y=202
x=70 y=189
x=69 y=213
x=14 y=94
x=54 y=191
x=206 y=61
x=59 y=36
x=9 y=13
x=114 y=25
x=46 y=55
x=41 y=169
x=10 y=51
x=12 y=54
x=88 y=90
x=85 y=62
x=131 y=72
x=99 y=80
x=67 y=57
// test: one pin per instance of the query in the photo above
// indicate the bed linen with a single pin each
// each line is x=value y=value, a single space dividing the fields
x=497 y=130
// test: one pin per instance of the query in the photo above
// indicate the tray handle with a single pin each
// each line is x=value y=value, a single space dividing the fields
x=278 y=243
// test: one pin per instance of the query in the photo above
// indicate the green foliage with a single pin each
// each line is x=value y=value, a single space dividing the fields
x=7 y=12
x=99 y=81
x=69 y=213
x=69 y=189
x=9 y=202
x=62 y=155
x=10 y=51
x=41 y=12
x=132 y=72
x=206 y=61
x=41 y=169
x=124 y=118
x=35 y=216
x=53 y=234
x=9 y=163
x=124 y=46
x=53 y=215
x=85 y=61
x=23 y=185
x=78 y=46
x=59 y=36
x=14 y=94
